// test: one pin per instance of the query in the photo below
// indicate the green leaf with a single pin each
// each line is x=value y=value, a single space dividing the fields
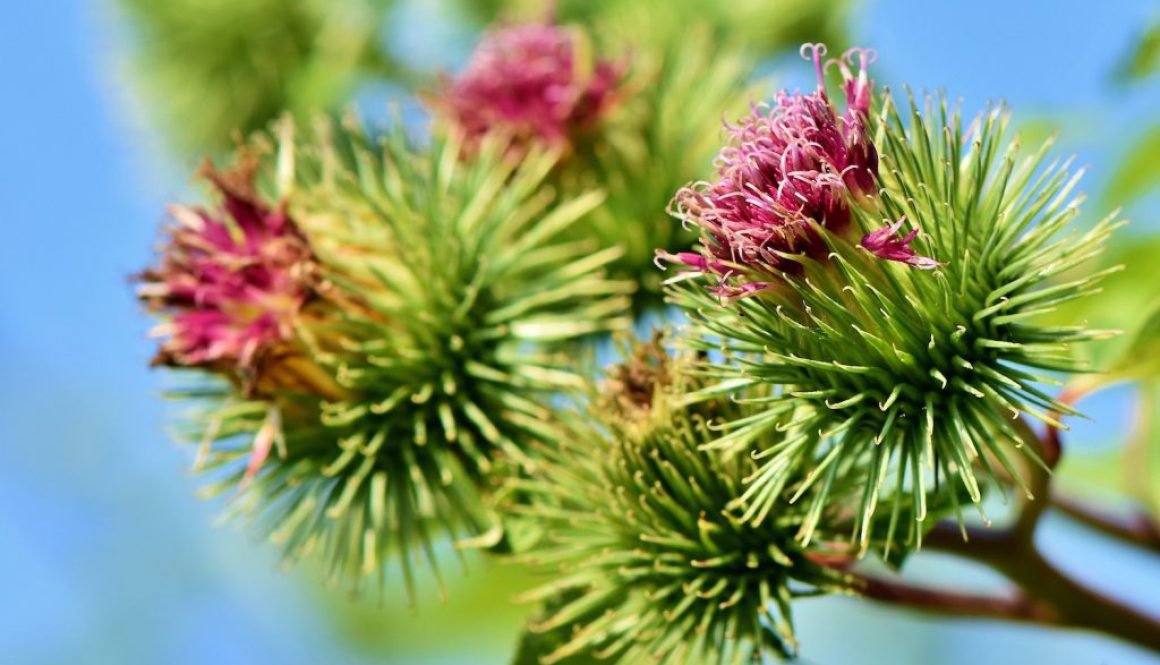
x=1139 y=170
x=1127 y=298
x=1141 y=358
x=1130 y=469
x=1144 y=58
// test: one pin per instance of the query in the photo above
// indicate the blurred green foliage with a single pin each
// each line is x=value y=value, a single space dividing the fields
x=1130 y=302
x=478 y=605
x=1143 y=59
x=666 y=135
x=1122 y=303
x=765 y=26
x=1130 y=467
x=212 y=68
x=1140 y=358
x=1138 y=171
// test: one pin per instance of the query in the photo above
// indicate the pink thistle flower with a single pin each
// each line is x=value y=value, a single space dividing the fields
x=887 y=243
x=785 y=168
x=531 y=84
x=232 y=280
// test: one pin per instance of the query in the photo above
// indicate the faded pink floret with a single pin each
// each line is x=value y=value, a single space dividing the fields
x=232 y=280
x=787 y=166
x=529 y=84
x=889 y=244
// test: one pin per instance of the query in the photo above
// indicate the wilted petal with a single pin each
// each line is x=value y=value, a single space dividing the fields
x=231 y=280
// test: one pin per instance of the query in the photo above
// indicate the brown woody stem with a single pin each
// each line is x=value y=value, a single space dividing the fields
x=1064 y=601
x=1016 y=607
x=1137 y=528
x=1047 y=595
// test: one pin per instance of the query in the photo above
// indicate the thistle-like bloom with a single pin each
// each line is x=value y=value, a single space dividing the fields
x=924 y=380
x=449 y=301
x=785 y=169
x=531 y=83
x=887 y=243
x=232 y=279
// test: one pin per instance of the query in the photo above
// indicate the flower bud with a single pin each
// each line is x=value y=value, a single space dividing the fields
x=533 y=83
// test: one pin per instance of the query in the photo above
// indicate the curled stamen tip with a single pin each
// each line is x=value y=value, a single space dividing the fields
x=815 y=52
x=812 y=50
x=868 y=56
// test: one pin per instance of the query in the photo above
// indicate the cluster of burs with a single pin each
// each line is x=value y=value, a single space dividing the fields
x=387 y=339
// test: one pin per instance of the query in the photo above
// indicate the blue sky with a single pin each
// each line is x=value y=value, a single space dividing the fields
x=106 y=556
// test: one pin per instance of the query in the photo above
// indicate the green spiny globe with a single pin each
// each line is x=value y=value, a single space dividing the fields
x=648 y=563
x=632 y=122
x=918 y=368
x=444 y=307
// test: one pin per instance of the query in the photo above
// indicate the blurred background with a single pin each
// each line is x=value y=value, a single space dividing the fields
x=106 y=554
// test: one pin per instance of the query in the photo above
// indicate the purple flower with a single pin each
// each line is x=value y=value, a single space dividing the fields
x=232 y=280
x=886 y=243
x=785 y=168
x=530 y=84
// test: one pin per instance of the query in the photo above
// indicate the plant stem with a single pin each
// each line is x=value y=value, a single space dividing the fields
x=1137 y=529
x=1008 y=608
x=1064 y=601
x=1050 y=449
x=1047 y=595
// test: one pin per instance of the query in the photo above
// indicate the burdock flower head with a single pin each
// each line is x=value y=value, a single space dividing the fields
x=447 y=302
x=232 y=280
x=875 y=359
x=788 y=169
x=532 y=83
